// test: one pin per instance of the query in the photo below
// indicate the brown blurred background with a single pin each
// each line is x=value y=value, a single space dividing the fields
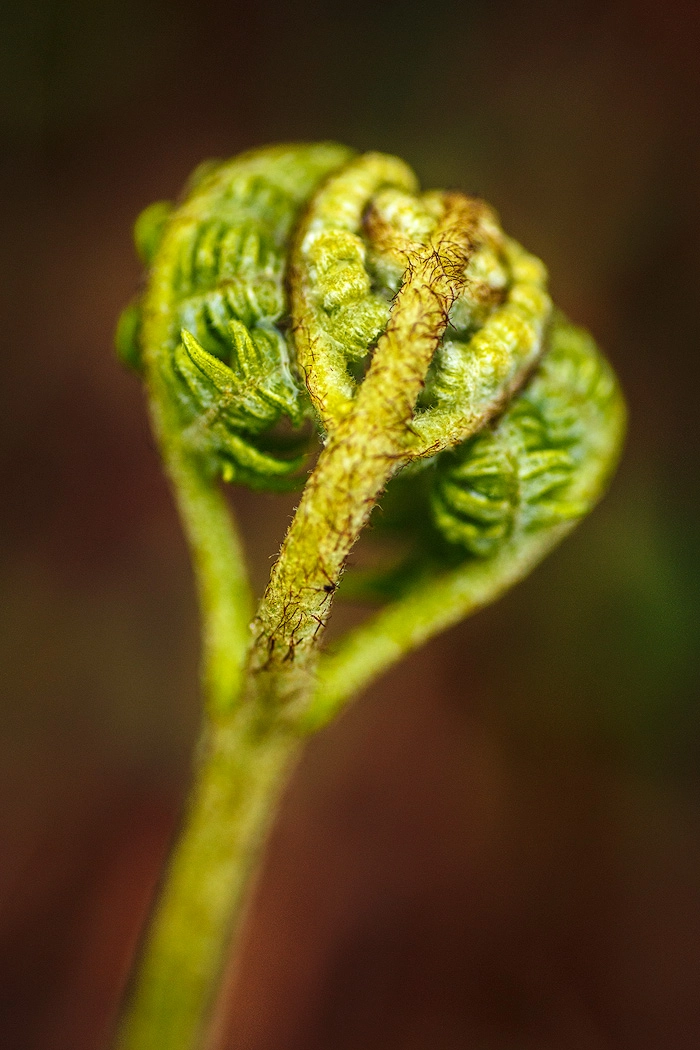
x=498 y=848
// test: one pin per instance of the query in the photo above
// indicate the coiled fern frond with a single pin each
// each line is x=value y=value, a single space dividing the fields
x=301 y=290
x=537 y=466
x=306 y=284
x=211 y=322
x=364 y=231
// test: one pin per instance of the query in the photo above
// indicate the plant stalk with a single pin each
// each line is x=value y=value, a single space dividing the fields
x=241 y=769
x=241 y=774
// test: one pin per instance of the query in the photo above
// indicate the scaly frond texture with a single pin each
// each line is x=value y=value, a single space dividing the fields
x=305 y=298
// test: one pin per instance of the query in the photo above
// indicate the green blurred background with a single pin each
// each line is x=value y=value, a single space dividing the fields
x=499 y=846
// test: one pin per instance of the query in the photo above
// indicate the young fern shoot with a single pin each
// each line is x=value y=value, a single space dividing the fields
x=300 y=290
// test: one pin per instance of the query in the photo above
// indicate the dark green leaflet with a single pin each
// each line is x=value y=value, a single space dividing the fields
x=530 y=470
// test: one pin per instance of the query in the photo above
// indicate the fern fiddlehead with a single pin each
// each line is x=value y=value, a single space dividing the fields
x=306 y=287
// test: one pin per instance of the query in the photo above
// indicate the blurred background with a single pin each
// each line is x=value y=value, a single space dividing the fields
x=498 y=847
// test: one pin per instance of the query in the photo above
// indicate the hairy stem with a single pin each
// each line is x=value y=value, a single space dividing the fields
x=363 y=451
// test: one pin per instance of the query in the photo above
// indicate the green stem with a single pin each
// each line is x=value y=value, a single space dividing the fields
x=241 y=775
x=427 y=609
x=240 y=772
x=225 y=599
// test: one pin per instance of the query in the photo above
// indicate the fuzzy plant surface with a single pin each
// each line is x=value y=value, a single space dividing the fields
x=311 y=319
